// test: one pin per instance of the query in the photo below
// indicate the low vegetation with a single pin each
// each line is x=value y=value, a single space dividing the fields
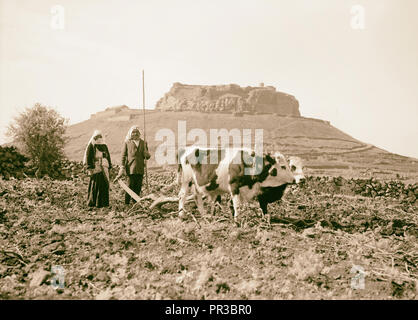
x=12 y=162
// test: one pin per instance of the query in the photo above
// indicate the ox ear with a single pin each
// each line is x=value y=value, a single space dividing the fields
x=270 y=159
x=193 y=158
x=201 y=155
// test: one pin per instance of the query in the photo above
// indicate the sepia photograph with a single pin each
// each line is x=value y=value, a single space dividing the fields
x=191 y=150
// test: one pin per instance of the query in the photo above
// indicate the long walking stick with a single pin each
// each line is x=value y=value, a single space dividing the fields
x=146 y=146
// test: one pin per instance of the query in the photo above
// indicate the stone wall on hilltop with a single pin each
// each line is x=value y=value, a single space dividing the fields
x=110 y=112
x=120 y=113
x=228 y=98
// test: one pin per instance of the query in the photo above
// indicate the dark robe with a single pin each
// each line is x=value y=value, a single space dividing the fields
x=98 y=193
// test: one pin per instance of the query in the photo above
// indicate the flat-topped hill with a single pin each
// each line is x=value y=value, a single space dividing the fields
x=228 y=98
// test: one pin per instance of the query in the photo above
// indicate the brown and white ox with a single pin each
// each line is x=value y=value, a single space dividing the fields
x=237 y=171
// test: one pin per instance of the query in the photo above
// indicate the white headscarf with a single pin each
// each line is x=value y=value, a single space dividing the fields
x=129 y=135
x=93 y=142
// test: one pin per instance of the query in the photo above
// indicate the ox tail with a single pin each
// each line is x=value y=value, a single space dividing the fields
x=179 y=173
x=179 y=154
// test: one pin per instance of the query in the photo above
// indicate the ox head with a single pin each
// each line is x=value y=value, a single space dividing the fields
x=296 y=166
x=274 y=172
x=292 y=164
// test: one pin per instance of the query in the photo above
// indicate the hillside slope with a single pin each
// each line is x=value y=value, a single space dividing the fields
x=324 y=148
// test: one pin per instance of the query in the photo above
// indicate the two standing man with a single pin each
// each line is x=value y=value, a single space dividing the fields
x=97 y=159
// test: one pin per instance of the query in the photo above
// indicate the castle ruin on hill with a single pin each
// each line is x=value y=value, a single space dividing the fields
x=218 y=98
x=228 y=98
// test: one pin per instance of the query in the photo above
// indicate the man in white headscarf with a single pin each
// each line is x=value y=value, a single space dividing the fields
x=134 y=153
x=97 y=160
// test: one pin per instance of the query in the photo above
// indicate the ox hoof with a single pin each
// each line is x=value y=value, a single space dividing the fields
x=267 y=217
x=183 y=215
x=259 y=212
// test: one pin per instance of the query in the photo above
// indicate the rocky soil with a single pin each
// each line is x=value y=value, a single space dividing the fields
x=323 y=240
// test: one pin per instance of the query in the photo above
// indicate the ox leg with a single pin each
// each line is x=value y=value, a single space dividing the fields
x=199 y=202
x=231 y=207
x=212 y=206
x=235 y=203
x=263 y=205
x=215 y=203
x=234 y=190
x=184 y=190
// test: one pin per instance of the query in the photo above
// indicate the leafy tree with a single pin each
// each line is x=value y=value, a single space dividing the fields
x=40 y=133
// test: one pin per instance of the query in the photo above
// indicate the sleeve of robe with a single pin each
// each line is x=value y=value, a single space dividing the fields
x=90 y=156
x=108 y=157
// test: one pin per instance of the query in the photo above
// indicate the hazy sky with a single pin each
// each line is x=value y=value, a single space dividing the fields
x=365 y=81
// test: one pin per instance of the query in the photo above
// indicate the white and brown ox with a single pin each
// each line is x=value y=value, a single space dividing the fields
x=237 y=171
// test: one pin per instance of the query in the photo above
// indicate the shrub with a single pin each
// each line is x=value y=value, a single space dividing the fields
x=12 y=162
x=40 y=132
